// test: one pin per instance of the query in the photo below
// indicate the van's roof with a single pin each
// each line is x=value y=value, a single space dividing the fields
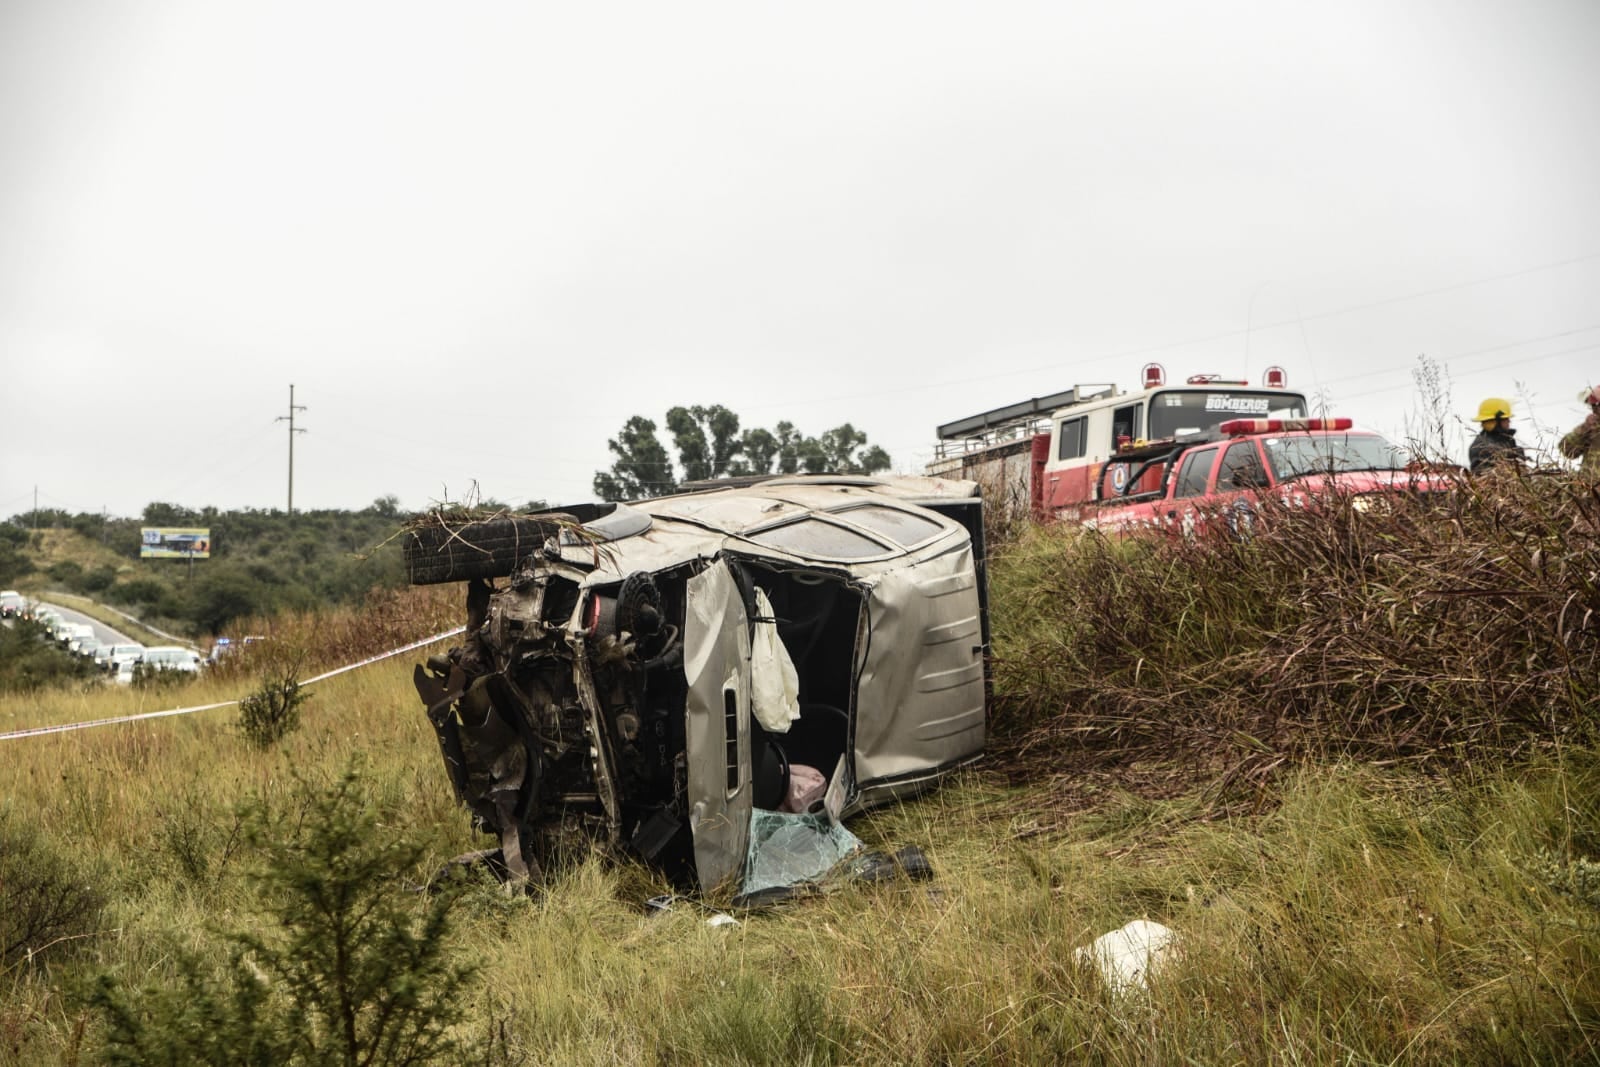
x=664 y=531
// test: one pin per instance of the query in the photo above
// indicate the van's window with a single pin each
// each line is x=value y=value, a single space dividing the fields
x=826 y=540
x=1192 y=475
x=1241 y=467
x=902 y=527
x=1174 y=413
x=1069 y=438
x=730 y=734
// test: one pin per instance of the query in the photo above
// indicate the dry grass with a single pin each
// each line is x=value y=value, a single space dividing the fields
x=317 y=641
x=1367 y=915
x=1463 y=630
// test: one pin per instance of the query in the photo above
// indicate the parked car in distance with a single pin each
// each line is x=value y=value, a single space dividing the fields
x=12 y=604
x=226 y=645
x=170 y=658
x=76 y=634
x=85 y=646
x=123 y=654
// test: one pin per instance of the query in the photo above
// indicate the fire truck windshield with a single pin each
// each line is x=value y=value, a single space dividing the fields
x=1302 y=454
x=1173 y=413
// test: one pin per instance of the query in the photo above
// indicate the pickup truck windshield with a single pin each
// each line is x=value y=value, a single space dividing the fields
x=1173 y=413
x=1302 y=454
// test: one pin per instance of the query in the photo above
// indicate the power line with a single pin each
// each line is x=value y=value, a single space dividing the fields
x=1150 y=350
x=1526 y=360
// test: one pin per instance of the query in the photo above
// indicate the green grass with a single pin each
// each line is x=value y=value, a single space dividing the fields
x=1328 y=909
x=1370 y=918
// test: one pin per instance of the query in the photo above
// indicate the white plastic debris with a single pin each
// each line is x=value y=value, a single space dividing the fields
x=1128 y=956
x=722 y=918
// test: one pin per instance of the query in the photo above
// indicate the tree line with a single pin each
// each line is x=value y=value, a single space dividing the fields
x=264 y=560
x=710 y=444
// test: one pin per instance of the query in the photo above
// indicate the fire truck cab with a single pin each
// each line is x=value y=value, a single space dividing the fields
x=1058 y=456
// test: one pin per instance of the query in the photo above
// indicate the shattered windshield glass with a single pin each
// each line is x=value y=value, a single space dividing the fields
x=1294 y=457
x=788 y=850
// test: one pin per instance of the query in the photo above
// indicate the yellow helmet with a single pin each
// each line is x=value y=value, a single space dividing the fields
x=1494 y=408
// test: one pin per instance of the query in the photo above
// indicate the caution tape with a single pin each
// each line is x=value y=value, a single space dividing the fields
x=62 y=728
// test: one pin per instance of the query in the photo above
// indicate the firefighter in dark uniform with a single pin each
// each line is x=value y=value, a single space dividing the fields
x=1496 y=445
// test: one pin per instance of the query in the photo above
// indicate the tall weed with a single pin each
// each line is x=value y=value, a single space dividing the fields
x=1458 y=629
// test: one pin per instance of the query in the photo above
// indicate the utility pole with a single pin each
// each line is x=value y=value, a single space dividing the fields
x=289 y=418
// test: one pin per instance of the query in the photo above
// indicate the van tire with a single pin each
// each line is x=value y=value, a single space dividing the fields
x=487 y=548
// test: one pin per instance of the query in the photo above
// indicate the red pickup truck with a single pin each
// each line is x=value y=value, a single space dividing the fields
x=1188 y=483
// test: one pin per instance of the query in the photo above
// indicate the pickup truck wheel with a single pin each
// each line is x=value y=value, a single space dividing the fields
x=487 y=548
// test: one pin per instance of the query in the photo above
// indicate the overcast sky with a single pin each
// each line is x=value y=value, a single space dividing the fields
x=477 y=238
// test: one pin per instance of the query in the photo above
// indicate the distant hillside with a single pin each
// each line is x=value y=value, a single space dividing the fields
x=261 y=562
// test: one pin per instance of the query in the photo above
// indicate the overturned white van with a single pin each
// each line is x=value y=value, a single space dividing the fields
x=661 y=675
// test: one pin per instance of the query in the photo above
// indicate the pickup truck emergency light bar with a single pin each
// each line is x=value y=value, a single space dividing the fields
x=1235 y=427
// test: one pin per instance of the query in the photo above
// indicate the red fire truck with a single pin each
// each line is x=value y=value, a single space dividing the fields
x=1058 y=456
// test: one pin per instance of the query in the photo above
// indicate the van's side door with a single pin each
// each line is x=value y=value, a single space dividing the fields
x=716 y=665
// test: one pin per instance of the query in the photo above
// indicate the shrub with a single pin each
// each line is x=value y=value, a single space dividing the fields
x=141 y=591
x=1576 y=877
x=222 y=596
x=28 y=661
x=66 y=573
x=273 y=710
x=207 y=1019
x=99 y=579
x=89 y=523
x=13 y=564
x=345 y=972
x=46 y=906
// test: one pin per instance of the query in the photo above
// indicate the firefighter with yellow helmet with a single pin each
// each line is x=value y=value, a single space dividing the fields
x=1584 y=442
x=1496 y=445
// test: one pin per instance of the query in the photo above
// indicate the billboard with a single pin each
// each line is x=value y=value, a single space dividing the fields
x=174 y=542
